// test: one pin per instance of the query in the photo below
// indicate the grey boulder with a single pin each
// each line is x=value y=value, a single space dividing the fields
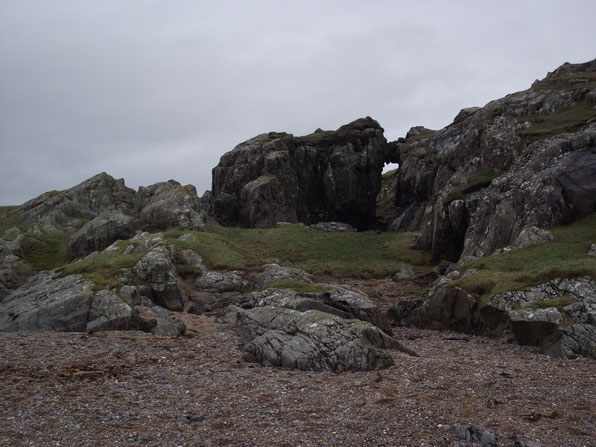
x=273 y=273
x=100 y=232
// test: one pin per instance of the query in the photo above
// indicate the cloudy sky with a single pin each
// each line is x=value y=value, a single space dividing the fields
x=151 y=90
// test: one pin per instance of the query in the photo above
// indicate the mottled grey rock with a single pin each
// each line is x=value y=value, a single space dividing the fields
x=472 y=187
x=169 y=205
x=143 y=242
x=157 y=268
x=325 y=176
x=592 y=250
x=533 y=326
x=99 y=233
x=405 y=273
x=69 y=210
x=157 y=321
x=222 y=282
x=273 y=273
x=333 y=227
x=532 y=235
x=572 y=341
x=476 y=435
x=11 y=257
x=190 y=258
x=48 y=302
x=310 y=340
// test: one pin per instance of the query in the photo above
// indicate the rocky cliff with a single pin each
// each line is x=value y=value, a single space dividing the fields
x=325 y=176
x=528 y=159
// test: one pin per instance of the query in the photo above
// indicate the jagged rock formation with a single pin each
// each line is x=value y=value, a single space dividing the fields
x=337 y=330
x=325 y=176
x=102 y=210
x=528 y=159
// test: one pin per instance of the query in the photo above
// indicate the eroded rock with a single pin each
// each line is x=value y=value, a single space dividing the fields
x=273 y=273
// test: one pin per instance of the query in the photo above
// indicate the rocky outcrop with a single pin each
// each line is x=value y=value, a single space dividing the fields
x=273 y=273
x=157 y=268
x=11 y=257
x=165 y=205
x=100 y=232
x=311 y=340
x=525 y=160
x=559 y=315
x=69 y=210
x=49 y=302
x=339 y=329
x=325 y=176
x=333 y=227
x=170 y=205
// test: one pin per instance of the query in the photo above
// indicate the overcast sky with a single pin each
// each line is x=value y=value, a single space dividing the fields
x=150 y=90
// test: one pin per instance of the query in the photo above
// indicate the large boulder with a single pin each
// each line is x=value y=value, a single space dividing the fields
x=48 y=302
x=273 y=273
x=338 y=300
x=169 y=205
x=525 y=160
x=311 y=340
x=156 y=267
x=100 y=232
x=325 y=176
x=11 y=257
x=69 y=210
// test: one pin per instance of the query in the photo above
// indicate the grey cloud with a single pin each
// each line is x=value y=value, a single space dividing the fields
x=152 y=90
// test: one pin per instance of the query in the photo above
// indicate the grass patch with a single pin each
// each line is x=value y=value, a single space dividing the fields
x=559 y=302
x=563 y=121
x=349 y=132
x=10 y=219
x=341 y=255
x=478 y=181
x=297 y=286
x=187 y=271
x=565 y=257
x=102 y=270
x=46 y=251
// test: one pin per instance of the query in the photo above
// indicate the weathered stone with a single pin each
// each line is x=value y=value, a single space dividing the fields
x=169 y=205
x=100 y=232
x=532 y=235
x=405 y=273
x=472 y=187
x=333 y=227
x=69 y=210
x=573 y=341
x=325 y=176
x=310 y=340
x=592 y=250
x=48 y=302
x=157 y=321
x=157 y=268
x=273 y=273
x=222 y=282
x=11 y=257
x=476 y=435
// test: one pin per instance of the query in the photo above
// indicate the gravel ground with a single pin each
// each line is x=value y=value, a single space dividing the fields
x=132 y=389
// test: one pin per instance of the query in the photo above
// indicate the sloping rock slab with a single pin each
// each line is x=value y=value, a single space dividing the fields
x=275 y=273
x=310 y=340
x=48 y=302
x=339 y=301
x=100 y=232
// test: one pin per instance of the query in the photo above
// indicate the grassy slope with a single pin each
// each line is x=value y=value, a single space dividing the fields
x=565 y=257
x=362 y=255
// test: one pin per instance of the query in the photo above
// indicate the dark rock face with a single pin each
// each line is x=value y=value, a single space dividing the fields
x=325 y=176
x=526 y=160
x=100 y=232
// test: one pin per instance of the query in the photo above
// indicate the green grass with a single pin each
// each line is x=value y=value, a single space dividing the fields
x=46 y=251
x=8 y=219
x=559 y=302
x=478 y=181
x=349 y=132
x=102 y=270
x=565 y=257
x=297 y=286
x=358 y=255
x=563 y=121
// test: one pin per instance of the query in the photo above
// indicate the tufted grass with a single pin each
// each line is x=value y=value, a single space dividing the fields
x=565 y=257
x=102 y=270
x=46 y=251
x=341 y=255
